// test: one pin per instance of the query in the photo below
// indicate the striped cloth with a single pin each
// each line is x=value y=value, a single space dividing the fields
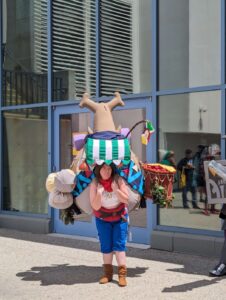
x=107 y=151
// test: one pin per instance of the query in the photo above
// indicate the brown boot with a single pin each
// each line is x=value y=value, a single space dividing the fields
x=122 y=272
x=108 y=274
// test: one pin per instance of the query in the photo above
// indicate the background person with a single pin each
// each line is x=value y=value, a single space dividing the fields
x=199 y=172
x=186 y=165
x=169 y=159
x=206 y=155
x=220 y=268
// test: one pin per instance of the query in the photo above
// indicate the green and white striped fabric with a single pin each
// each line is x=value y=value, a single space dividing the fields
x=107 y=151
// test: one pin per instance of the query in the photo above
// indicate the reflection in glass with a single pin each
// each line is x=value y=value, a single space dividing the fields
x=24 y=52
x=137 y=217
x=190 y=121
x=72 y=125
x=189 y=43
x=25 y=164
x=125 y=46
x=74 y=56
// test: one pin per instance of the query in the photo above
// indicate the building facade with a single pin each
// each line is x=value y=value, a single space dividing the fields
x=165 y=57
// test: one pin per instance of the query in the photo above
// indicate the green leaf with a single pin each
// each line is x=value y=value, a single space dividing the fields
x=150 y=126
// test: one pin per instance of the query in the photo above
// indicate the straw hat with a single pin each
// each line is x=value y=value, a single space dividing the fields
x=62 y=181
x=50 y=182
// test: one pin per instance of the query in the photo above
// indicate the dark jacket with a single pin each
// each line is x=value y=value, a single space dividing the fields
x=189 y=172
x=222 y=215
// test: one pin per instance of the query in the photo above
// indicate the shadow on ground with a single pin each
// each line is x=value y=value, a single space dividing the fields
x=188 y=264
x=68 y=275
x=191 y=285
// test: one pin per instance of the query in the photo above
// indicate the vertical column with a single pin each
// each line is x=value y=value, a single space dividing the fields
x=1 y=135
x=1 y=52
x=49 y=87
x=97 y=49
x=151 y=208
x=49 y=47
x=49 y=90
x=154 y=74
x=223 y=86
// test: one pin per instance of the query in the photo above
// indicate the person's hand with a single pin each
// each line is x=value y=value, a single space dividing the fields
x=190 y=166
x=100 y=189
x=114 y=186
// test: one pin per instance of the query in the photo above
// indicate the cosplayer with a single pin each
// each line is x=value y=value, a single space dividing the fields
x=109 y=200
x=105 y=180
x=220 y=269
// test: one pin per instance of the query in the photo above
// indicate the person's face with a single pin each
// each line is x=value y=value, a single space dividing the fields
x=189 y=155
x=105 y=172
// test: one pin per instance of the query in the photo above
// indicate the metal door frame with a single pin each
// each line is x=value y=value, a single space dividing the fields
x=139 y=234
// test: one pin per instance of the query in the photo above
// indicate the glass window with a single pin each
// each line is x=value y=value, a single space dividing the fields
x=71 y=126
x=74 y=54
x=190 y=126
x=137 y=217
x=25 y=166
x=24 y=54
x=125 y=46
x=189 y=43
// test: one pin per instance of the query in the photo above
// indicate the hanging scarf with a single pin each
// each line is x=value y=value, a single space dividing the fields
x=106 y=184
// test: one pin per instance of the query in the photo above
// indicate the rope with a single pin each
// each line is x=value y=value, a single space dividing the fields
x=143 y=121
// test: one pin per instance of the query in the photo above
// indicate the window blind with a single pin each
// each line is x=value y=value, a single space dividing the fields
x=40 y=36
x=116 y=61
x=74 y=43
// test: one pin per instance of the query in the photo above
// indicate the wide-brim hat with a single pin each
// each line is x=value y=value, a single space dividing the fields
x=50 y=182
x=65 y=181
x=60 y=200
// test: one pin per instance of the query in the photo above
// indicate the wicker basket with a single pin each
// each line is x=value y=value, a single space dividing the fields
x=161 y=175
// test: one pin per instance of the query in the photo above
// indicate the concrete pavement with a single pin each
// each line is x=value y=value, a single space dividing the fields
x=36 y=266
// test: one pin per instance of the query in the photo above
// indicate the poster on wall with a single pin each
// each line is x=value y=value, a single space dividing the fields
x=77 y=141
x=215 y=185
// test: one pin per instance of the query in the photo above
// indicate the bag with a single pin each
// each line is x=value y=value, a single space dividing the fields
x=182 y=182
x=134 y=199
x=83 y=201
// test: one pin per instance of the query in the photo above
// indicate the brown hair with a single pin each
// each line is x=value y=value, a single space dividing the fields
x=98 y=168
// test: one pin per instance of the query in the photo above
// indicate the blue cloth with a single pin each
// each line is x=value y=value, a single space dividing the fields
x=112 y=235
x=82 y=181
x=134 y=178
x=106 y=135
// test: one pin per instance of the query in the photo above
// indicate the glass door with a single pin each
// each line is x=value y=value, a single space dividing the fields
x=71 y=120
x=142 y=219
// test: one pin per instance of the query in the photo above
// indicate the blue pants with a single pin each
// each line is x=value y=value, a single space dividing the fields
x=112 y=235
x=185 y=190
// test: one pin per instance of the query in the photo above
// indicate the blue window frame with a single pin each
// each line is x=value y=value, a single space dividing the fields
x=1 y=186
x=139 y=234
x=154 y=93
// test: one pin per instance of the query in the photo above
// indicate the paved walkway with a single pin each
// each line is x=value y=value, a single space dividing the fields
x=35 y=266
